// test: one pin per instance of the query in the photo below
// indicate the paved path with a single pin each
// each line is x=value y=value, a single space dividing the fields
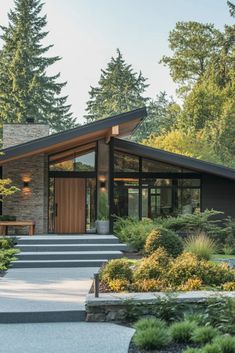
x=73 y=337
x=45 y=289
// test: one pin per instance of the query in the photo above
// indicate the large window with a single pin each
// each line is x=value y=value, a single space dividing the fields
x=126 y=197
x=149 y=188
x=81 y=159
x=124 y=162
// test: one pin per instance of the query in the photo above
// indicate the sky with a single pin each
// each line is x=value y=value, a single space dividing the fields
x=86 y=33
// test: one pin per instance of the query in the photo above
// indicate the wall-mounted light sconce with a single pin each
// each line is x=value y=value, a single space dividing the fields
x=25 y=184
x=102 y=184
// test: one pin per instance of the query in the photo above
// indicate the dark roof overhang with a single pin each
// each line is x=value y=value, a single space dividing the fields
x=174 y=159
x=126 y=122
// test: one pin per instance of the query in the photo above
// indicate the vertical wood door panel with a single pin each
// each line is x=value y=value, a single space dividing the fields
x=70 y=198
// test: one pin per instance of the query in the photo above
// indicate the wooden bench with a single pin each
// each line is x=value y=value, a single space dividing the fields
x=5 y=224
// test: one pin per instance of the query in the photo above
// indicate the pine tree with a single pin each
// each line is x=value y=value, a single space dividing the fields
x=26 y=89
x=231 y=8
x=119 y=89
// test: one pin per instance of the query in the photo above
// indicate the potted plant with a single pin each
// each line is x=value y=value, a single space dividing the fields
x=102 y=223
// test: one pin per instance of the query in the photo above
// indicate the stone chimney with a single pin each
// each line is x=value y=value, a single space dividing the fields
x=15 y=134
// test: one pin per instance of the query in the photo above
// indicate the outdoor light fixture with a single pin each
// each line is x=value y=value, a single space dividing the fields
x=102 y=184
x=26 y=184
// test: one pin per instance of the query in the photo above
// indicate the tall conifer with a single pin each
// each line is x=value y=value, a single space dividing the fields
x=119 y=89
x=26 y=88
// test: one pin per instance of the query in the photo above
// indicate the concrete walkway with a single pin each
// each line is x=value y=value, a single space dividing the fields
x=44 y=290
x=73 y=337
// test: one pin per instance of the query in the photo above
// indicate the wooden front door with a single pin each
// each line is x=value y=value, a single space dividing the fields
x=70 y=203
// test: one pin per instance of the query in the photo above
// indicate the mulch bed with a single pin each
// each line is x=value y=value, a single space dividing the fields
x=173 y=348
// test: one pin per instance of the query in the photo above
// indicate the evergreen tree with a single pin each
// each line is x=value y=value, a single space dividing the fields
x=26 y=89
x=162 y=117
x=231 y=8
x=119 y=89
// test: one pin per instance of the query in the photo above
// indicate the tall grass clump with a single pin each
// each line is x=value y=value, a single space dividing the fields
x=200 y=245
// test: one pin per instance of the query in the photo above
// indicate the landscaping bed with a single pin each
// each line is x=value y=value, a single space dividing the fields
x=172 y=348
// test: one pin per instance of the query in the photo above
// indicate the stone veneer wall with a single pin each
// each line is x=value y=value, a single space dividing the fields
x=14 y=134
x=30 y=203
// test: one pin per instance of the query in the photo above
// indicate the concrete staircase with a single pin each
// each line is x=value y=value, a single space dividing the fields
x=67 y=250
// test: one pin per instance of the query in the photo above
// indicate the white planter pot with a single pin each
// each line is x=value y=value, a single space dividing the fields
x=102 y=227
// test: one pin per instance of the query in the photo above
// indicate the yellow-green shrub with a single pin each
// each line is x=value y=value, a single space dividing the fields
x=148 y=285
x=229 y=286
x=165 y=238
x=118 y=285
x=152 y=267
x=116 y=269
x=191 y=284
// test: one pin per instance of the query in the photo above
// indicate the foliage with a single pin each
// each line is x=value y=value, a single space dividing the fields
x=193 y=45
x=229 y=286
x=200 y=245
x=6 y=256
x=192 y=350
x=220 y=313
x=182 y=331
x=118 y=285
x=7 y=243
x=132 y=231
x=161 y=118
x=197 y=222
x=168 y=309
x=210 y=348
x=228 y=241
x=152 y=267
x=117 y=269
x=6 y=189
x=187 y=143
x=119 y=89
x=165 y=238
x=144 y=324
x=26 y=90
x=226 y=344
x=151 y=334
x=103 y=206
x=203 y=335
x=191 y=284
x=148 y=285
x=188 y=266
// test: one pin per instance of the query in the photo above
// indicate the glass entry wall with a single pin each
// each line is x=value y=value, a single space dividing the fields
x=152 y=189
x=72 y=190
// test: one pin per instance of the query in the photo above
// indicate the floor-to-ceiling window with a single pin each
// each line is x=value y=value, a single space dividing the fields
x=152 y=189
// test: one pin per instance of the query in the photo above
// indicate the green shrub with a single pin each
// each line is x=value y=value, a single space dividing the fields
x=200 y=245
x=226 y=344
x=203 y=335
x=6 y=256
x=152 y=267
x=192 y=350
x=196 y=222
x=220 y=313
x=151 y=334
x=182 y=331
x=210 y=348
x=115 y=270
x=146 y=323
x=133 y=232
x=7 y=243
x=166 y=239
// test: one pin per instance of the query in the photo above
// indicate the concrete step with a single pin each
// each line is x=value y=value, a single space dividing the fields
x=69 y=255
x=68 y=239
x=42 y=316
x=57 y=263
x=71 y=247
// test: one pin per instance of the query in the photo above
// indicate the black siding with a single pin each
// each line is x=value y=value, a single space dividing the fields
x=219 y=194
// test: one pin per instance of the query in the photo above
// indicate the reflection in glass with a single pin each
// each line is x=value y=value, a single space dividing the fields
x=124 y=162
x=126 y=197
x=90 y=204
x=85 y=162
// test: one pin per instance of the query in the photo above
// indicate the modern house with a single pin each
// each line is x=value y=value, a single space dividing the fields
x=70 y=179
